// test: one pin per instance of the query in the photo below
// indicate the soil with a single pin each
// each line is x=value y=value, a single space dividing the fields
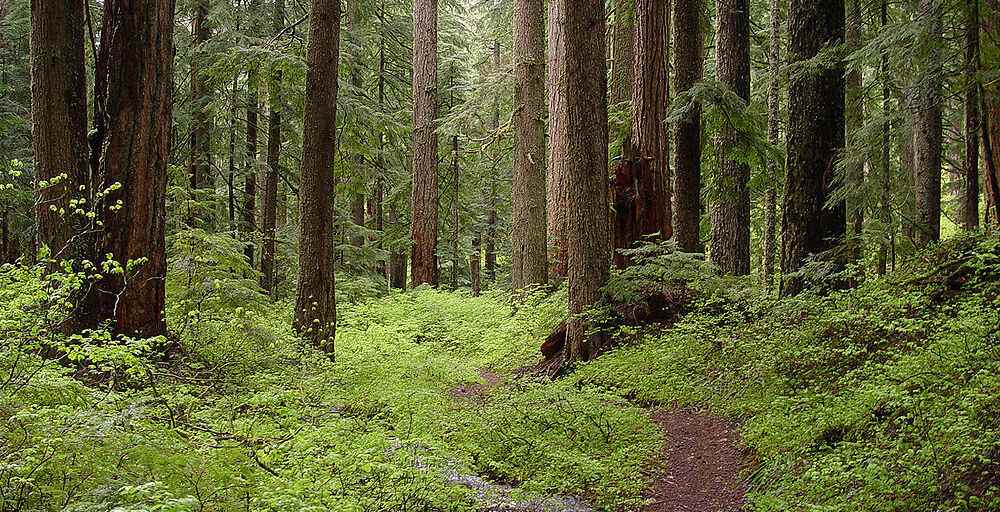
x=477 y=390
x=703 y=464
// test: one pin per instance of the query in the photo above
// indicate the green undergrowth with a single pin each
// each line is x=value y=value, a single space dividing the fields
x=882 y=398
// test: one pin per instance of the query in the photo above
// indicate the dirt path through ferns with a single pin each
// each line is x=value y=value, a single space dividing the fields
x=703 y=464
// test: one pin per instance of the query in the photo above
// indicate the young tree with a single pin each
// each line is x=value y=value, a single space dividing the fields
x=582 y=88
x=927 y=126
x=315 y=307
x=423 y=201
x=528 y=260
x=731 y=209
x=642 y=195
x=687 y=131
x=555 y=179
x=270 y=196
x=815 y=134
x=59 y=121
x=133 y=84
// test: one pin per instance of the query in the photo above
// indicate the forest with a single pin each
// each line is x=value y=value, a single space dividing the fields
x=499 y=255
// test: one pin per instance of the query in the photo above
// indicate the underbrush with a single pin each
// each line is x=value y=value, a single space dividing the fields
x=881 y=398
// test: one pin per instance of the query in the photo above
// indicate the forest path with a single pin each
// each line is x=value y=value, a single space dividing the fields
x=703 y=464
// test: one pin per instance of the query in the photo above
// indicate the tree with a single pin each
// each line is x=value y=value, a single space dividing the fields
x=270 y=196
x=528 y=260
x=423 y=200
x=200 y=168
x=885 y=166
x=854 y=121
x=815 y=134
x=59 y=122
x=315 y=307
x=555 y=179
x=970 y=209
x=133 y=84
x=623 y=64
x=642 y=195
x=582 y=88
x=687 y=131
x=490 y=258
x=774 y=166
x=731 y=209
x=927 y=127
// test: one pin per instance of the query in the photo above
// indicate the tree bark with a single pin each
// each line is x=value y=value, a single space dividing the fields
x=774 y=166
x=815 y=134
x=528 y=258
x=555 y=180
x=582 y=88
x=59 y=124
x=200 y=168
x=687 y=57
x=731 y=212
x=972 y=117
x=397 y=258
x=133 y=91
x=455 y=221
x=927 y=128
x=315 y=307
x=423 y=211
x=270 y=200
x=252 y=168
x=642 y=195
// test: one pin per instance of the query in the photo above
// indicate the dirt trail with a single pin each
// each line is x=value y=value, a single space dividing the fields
x=703 y=464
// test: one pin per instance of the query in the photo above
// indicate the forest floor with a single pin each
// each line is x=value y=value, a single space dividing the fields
x=877 y=399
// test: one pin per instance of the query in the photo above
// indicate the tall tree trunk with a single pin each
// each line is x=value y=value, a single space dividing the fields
x=316 y=307
x=528 y=259
x=133 y=83
x=774 y=166
x=359 y=179
x=885 y=206
x=423 y=211
x=582 y=86
x=687 y=57
x=555 y=180
x=971 y=207
x=200 y=169
x=474 y=260
x=623 y=64
x=270 y=200
x=815 y=135
x=731 y=211
x=927 y=128
x=642 y=195
x=854 y=121
x=59 y=123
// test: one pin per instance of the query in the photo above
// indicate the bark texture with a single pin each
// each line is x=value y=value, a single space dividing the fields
x=642 y=195
x=731 y=210
x=623 y=64
x=133 y=91
x=423 y=201
x=687 y=58
x=528 y=258
x=927 y=128
x=583 y=89
x=58 y=122
x=555 y=179
x=815 y=134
